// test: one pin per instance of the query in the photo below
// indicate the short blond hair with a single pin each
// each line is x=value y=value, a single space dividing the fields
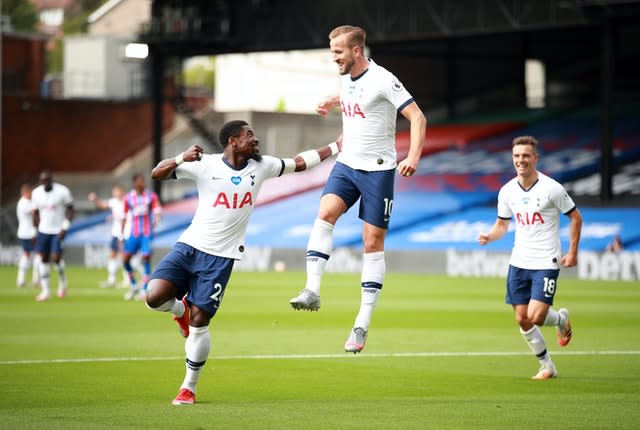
x=526 y=140
x=356 y=36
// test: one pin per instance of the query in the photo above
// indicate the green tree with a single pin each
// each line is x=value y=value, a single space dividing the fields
x=201 y=74
x=75 y=22
x=23 y=14
x=90 y=5
x=55 y=58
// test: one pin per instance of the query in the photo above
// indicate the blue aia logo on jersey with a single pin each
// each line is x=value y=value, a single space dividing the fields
x=235 y=180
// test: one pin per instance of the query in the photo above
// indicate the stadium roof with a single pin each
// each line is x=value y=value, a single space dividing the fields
x=415 y=29
x=103 y=10
x=193 y=27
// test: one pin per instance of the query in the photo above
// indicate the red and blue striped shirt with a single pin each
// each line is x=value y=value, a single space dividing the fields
x=140 y=210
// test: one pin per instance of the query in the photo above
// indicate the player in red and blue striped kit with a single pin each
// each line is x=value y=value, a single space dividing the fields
x=142 y=214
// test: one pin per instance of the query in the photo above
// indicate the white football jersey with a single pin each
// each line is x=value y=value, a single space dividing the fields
x=24 y=212
x=536 y=213
x=117 y=215
x=370 y=105
x=52 y=206
x=226 y=198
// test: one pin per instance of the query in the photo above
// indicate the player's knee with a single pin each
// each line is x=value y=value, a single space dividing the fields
x=537 y=319
x=373 y=243
x=331 y=208
x=328 y=216
x=373 y=246
x=523 y=321
x=157 y=294
x=199 y=317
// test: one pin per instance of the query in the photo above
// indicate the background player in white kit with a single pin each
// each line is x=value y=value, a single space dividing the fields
x=53 y=212
x=199 y=266
x=535 y=202
x=370 y=99
x=116 y=205
x=27 y=236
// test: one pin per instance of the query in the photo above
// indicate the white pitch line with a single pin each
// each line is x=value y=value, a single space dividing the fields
x=312 y=356
x=89 y=360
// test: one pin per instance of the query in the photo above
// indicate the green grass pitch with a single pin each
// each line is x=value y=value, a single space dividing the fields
x=442 y=353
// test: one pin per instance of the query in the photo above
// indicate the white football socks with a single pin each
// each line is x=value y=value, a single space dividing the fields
x=112 y=269
x=35 y=275
x=319 y=250
x=175 y=306
x=197 y=347
x=553 y=318
x=23 y=266
x=373 y=271
x=62 y=278
x=535 y=340
x=44 y=277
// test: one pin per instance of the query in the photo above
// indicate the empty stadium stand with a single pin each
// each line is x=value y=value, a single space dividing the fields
x=449 y=200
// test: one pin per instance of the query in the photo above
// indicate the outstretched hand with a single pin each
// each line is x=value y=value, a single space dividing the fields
x=326 y=105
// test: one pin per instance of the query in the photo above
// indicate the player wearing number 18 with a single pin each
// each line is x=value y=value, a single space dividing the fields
x=535 y=202
x=199 y=266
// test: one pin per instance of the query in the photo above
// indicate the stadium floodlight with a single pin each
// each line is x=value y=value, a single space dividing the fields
x=535 y=83
x=136 y=50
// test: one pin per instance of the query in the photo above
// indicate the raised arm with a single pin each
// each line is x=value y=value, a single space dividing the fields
x=328 y=104
x=97 y=201
x=413 y=113
x=308 y=159
x=165 y=168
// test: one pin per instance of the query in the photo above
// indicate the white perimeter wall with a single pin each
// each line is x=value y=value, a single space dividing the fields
x=593 y=266
x=85 y=66
x=263 y=81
